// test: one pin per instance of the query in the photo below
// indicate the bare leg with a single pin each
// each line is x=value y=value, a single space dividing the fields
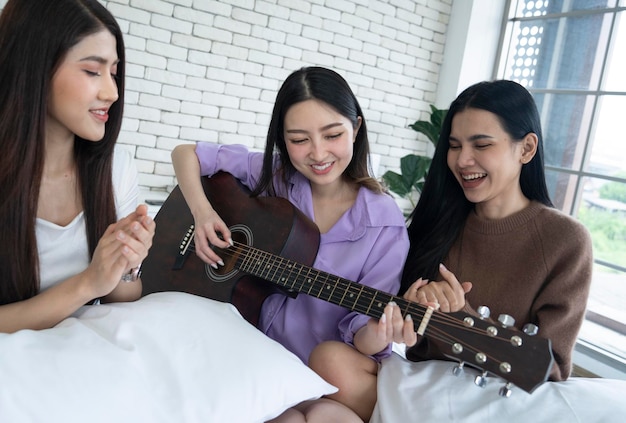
x=318 y=411
x=352 y=372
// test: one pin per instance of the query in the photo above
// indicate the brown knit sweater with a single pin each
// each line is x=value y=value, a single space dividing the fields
x=535 y=266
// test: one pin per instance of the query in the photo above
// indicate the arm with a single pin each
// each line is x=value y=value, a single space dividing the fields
x=381 y=270
x=560 y=306
x=207 y=222
x=137 y=231
x=115 y=252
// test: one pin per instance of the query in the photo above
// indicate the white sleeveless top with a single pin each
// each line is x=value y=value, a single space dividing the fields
x=63 y=250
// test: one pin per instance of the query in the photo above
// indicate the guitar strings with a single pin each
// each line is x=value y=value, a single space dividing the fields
x=341 y=291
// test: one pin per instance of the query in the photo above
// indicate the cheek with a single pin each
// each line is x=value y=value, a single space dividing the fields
x=451 y=160
x=295 y=152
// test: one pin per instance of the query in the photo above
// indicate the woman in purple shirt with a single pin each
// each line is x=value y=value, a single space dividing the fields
x=316 y=156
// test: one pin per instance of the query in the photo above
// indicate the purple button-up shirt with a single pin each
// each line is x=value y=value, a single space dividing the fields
x=367 y=245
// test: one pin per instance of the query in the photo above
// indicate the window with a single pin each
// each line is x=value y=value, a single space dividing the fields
x=570 y=55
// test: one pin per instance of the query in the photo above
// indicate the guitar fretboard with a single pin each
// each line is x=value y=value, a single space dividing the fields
x=300 y=278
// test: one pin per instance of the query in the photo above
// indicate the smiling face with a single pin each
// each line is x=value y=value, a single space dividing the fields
x=319 y=141
x=83 y=89
x=487 y=162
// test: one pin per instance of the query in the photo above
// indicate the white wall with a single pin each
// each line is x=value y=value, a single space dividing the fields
x=209 y=70
x=471 y=50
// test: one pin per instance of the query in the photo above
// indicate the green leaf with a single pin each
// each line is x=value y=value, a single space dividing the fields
x=426 y=128
x=437 y=117
x=396 y=184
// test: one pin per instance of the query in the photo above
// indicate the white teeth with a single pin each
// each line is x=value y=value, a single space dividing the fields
x=321 y=167
x=99 y=112
x=473 y=176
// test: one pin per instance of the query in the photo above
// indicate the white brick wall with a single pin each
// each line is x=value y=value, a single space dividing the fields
x=209 y=70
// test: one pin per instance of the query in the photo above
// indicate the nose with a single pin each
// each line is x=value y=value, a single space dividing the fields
x=317 y=152
x=465 y=157
x=108 y=89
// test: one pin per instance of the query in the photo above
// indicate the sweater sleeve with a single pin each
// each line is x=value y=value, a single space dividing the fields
x=559 y=308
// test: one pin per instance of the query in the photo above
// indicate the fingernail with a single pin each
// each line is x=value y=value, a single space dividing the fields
x=441 y=266
x=383 y=318
x=392 y=303
x=121 y=235
x=230 y=241
x=408 y=318
x=214 y=266
x=221 y=263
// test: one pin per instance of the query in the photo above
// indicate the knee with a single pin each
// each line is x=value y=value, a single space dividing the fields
x=328 y=356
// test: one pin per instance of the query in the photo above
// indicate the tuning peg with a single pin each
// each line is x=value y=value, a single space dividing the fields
x=481 y=380
x=458 y=369
x=506 y=390
x=506 y=320
x=484 y=311
x=530 y=329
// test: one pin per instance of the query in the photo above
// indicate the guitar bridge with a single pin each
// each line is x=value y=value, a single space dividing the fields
x=183 y=248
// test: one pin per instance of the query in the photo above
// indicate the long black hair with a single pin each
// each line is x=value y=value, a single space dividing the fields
x=35 y=36
x=442 y=209
x=315 y=83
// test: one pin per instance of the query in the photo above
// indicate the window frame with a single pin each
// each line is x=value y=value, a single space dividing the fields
x=593 y=358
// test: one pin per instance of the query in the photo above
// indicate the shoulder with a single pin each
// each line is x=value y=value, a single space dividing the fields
x=380 y=209
x=122 y=160
x=563 y=237
x=554 y=222
x=125 y=180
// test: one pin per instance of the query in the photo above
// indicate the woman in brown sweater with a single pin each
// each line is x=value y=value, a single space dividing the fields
x=485 y=218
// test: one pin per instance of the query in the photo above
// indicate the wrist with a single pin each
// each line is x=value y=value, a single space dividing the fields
x=132 y=275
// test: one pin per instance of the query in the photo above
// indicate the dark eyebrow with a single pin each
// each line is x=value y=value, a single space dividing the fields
x=324 y=128
x=473 y=137
x=98 y=59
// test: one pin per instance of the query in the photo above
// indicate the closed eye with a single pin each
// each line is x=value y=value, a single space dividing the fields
x=298 y=141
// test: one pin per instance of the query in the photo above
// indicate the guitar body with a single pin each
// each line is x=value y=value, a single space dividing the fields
x=272 y=224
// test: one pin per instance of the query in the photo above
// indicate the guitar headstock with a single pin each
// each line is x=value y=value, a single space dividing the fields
x=497 y=348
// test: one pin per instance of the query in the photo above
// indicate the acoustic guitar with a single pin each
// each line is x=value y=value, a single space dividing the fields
x=274 y=246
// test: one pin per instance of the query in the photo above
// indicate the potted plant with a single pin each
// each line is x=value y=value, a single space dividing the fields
x=414 y=168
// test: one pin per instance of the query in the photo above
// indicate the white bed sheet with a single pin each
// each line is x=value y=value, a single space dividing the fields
x=429 y=392
x=168 y=357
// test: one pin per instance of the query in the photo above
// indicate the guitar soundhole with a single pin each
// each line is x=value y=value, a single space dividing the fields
x=241 y=234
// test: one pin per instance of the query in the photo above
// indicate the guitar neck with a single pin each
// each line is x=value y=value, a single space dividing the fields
x=303 y=279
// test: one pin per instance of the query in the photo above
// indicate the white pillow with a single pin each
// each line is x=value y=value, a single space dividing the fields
x=428 y=392
x=168 y=357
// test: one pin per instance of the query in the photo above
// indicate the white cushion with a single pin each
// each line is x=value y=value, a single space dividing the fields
x=428 y=392
x=168 y=357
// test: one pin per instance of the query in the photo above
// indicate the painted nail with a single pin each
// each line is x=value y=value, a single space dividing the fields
x=221 y=263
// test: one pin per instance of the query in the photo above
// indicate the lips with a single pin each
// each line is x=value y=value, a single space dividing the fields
x=472 y=180
x=322 y=168
x=100 y=114
x=473 y=176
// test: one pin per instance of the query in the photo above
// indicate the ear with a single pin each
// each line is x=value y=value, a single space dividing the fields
x=529 y=147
